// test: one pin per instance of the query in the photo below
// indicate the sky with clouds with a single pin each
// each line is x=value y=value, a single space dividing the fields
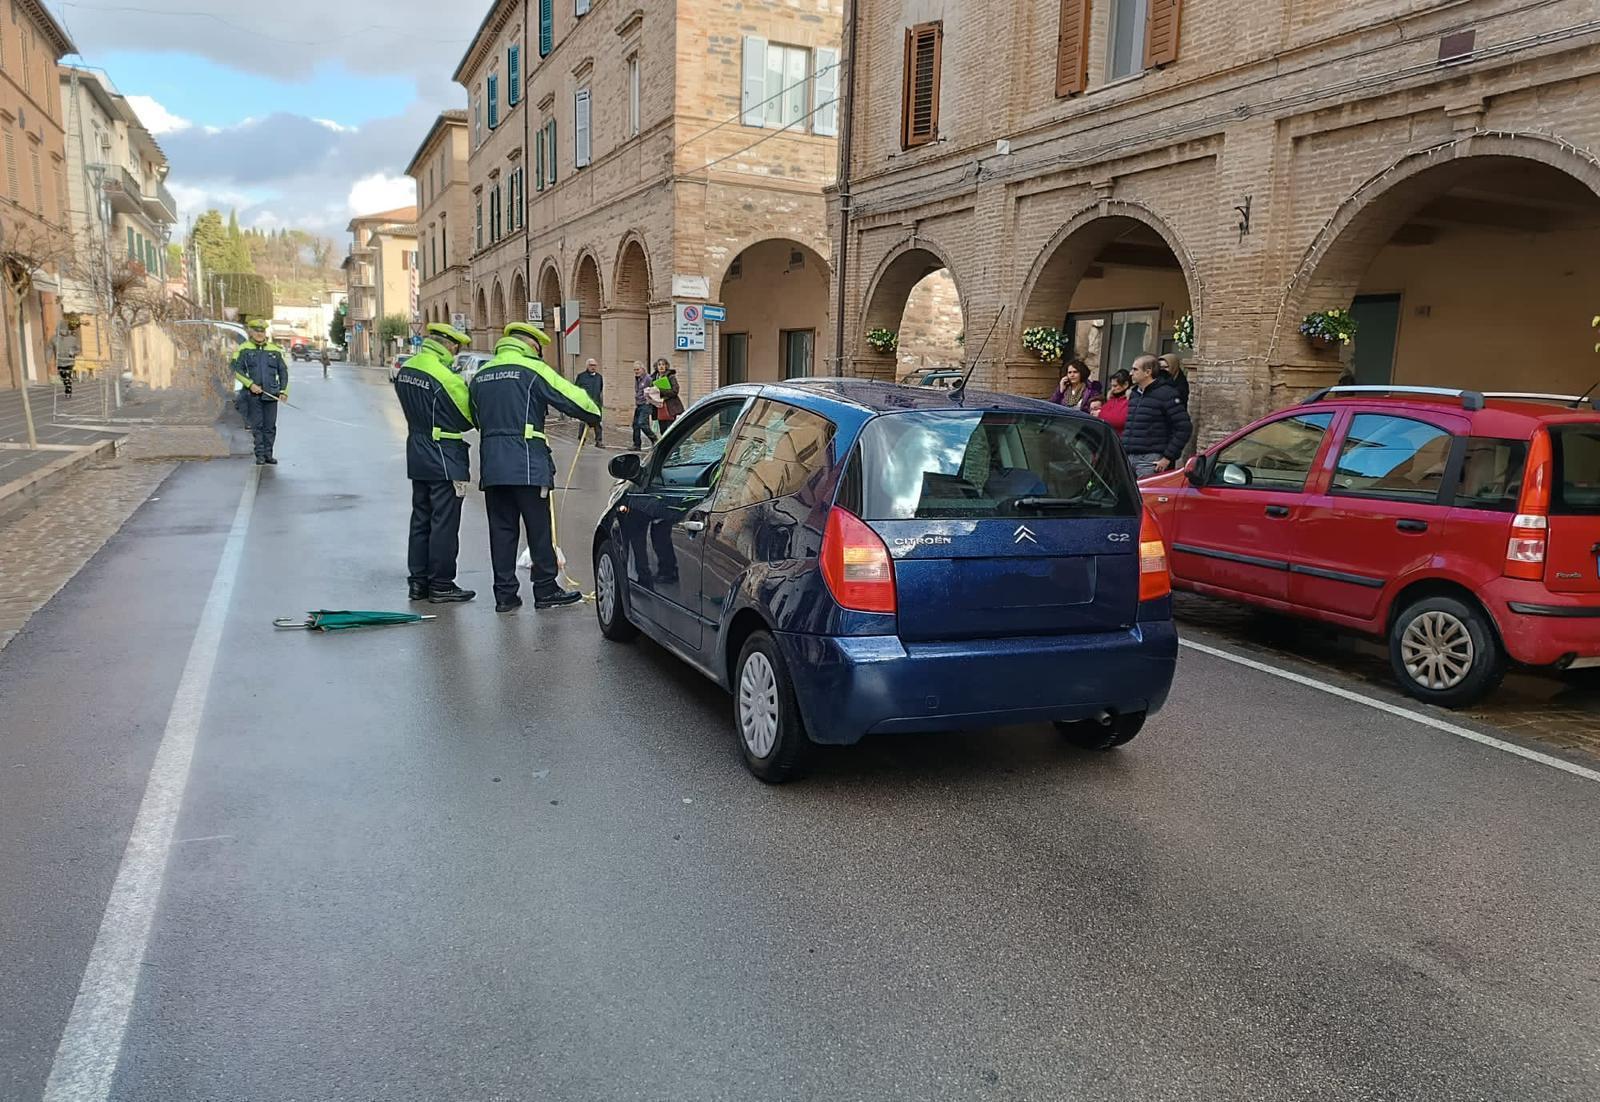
x=298 y=112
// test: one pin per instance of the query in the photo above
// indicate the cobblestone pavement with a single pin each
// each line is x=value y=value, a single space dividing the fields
x=42 y=548
x=1560 y=710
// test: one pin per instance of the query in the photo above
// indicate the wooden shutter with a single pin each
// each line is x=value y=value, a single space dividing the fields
x=825 y=87
x=919 y=104
x=1161 y=33
x=514 y=75
x=553 y=151
x=752 y=108
x=1072 y=48
x=494 y=101
x=580 y=129
x=547 y=27
x=538 y=161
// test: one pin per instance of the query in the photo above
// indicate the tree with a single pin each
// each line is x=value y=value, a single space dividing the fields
x=211 y=241
x=336 y=327
x=393 y=327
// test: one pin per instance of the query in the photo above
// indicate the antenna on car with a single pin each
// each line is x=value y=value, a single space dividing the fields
x=961 y=387
x=1577 y=403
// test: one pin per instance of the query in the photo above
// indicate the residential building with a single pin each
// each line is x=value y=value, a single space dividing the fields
x=378 y=277
x=444 y=206
x=33 y=197
x=676 y=153
x=1110 y=168
x=121 y=215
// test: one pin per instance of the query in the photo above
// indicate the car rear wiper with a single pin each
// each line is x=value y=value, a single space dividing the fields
x=1042 y=503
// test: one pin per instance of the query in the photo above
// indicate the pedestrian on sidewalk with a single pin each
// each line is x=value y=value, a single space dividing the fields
x=64 y=350
x=665 y=380
x=324 y=359
x=592 y=383
x=644 y=410
x=438 y=414
x=261 y=369
x=1115 y=410
x=510 y=398
x=1075 y=388
x=1158 y=424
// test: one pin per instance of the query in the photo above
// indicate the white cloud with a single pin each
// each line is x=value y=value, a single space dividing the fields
x=156 y=118
x=382 y=192
x=337 y=128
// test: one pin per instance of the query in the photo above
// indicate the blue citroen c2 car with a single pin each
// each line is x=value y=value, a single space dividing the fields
x=850 y=558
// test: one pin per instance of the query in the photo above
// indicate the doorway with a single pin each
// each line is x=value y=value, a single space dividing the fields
x=1377 y=319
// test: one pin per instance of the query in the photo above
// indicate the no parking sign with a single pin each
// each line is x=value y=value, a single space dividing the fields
x=691 y=327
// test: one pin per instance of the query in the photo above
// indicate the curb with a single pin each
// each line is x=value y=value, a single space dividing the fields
x=23 y=493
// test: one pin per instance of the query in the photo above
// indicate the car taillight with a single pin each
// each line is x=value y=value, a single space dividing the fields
x=1155 y=581
x=1530 y=528
x=856 y=564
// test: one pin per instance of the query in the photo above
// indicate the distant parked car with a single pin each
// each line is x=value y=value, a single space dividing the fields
x=940 y=378
x=302 y=352
x=468 y=364
x=1463 y=528
x=335 y=354
x=394 y=368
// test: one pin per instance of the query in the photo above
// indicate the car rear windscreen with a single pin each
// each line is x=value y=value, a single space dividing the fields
x=987 y=465
x=1577 y=481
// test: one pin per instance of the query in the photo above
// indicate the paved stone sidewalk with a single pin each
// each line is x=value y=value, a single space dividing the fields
x=41 y=549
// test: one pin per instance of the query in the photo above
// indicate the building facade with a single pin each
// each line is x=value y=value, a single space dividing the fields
x=676 y=153
x=378 y=278
x=1115 y=169
x=33 y=218
x=444 y=210
x=119 y=209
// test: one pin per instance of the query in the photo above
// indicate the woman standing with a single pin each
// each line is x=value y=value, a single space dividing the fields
x=665 y=379
x=1075 y=389
x=1115 y=411
x=1171 y=366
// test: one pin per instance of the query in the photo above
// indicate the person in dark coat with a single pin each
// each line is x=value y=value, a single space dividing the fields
x=592 y=383
x=665 y=380
x=263 y=372
x=438 y=416
x=510 y=397
x=1171 y=366
x=1158 y=424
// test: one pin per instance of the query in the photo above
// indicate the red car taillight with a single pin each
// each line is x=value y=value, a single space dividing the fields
x=856 y=564
x=1530 y=528
x=1155 y=580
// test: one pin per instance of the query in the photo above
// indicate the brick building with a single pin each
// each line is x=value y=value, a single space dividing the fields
x=378 y=276
x=444 y=212
x=34 y=210
x=1107 y=167
x=661 y=151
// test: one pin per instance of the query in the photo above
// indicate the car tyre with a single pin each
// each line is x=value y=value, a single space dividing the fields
x=1444 y=651
x=1094 y=734
x=610 y=606
x=766 y=714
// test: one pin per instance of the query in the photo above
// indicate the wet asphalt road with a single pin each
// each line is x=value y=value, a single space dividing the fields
x=494 y=858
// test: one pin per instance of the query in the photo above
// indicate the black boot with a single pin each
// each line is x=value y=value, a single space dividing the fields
x=271 y=462
x=418 y=590
x=451 y=594
x=507 y=604
x=556 y=598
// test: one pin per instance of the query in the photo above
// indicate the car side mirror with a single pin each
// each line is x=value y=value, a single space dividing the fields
x=1196 y=470
x=627 y=467
x=1235 y=475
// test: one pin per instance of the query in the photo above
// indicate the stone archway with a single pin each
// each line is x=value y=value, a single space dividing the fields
x=480 y=312
x=497 y=308
x=1466 y=264
x=587 y=292
x=915 y=295
x=518 y=304
x=776 y=294
x=1116 y=280
x=625 y=324
x=550 y=302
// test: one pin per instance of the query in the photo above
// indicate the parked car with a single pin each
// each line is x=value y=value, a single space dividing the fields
x=851 y=558
x=302 y=351
x=1462 y=527
x=399 y=362
x=942 y=378
x=335 y=354
x=468 y=364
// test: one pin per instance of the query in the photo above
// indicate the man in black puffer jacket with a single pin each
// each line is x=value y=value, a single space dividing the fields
x=1158 y=424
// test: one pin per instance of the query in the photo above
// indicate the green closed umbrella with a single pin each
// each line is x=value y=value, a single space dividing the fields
x=331 y=620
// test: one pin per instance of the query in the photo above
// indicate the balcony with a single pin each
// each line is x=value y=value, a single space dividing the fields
x=127 y=196
x=160 y=207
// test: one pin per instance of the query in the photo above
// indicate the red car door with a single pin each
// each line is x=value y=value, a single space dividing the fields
x=1382 y=514
x=1232 y=535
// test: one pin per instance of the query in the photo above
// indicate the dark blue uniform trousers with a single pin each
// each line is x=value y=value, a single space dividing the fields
x=435 y=534
x=261 y=415
x=511 y=507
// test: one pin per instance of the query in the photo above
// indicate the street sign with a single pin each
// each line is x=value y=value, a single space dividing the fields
x=458 y=321
x=714 y=313
x=416 y=341
x=572 y=329
x=691 y=327
x=536 y=313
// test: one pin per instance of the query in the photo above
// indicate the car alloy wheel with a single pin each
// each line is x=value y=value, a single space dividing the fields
x=1437 y=650
x=610 y=600
x=605 y=589
x=758 y=705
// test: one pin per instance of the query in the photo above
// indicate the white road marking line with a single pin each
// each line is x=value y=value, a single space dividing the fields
x=91 y=1045
x=1395 y=710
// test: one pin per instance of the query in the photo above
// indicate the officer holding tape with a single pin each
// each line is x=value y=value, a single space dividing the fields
x=438 y=415
x=510 y=396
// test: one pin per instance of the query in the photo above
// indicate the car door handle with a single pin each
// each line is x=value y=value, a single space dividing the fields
x=1278 y=511
x=1411 y=525
x=693 y=526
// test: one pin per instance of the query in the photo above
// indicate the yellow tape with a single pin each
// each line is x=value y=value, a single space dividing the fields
x=555 y=512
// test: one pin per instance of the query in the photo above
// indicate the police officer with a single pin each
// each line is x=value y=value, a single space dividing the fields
x=438 y=415
x=510 y=396
x=259 y=366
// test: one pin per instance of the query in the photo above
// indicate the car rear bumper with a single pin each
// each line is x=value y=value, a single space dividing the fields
x=1541 y=628
x=850 y=687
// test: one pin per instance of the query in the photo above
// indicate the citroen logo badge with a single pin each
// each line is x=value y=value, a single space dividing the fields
x=1024 y=534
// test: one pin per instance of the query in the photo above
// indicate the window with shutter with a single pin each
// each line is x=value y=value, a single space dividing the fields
x=633 y=96
x=919 y=107
x=514 y=75
x=580 y=7
x=1125 y=39
x=1161 y=33
x=580 y=128
x=494 y=100
x=553 y=150
x=547 y=27
x=130 y=242
x=38 y=181
x=11 y=164
x=826 y=80
x=479 y=224
x=538 y=161
x=754 y=93
x=1072 y=48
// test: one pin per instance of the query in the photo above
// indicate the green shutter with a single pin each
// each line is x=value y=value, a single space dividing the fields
x=132 y=255
x=514 y=75
x=547 y=27
x=494 y=101
x=555 y=154
x=538 y=161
